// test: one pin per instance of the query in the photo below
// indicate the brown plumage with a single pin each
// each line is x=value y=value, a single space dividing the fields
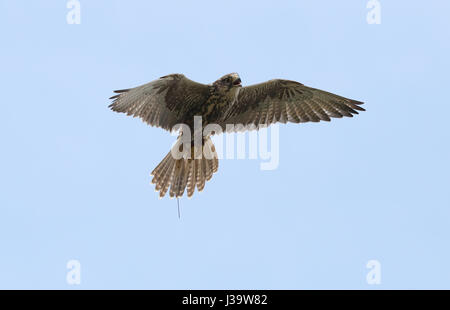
x=174 y=99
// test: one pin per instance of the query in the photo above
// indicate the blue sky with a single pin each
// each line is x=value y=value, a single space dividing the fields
x=75 y=176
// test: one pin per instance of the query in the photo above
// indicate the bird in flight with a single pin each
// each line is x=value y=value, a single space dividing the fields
x=174 y=99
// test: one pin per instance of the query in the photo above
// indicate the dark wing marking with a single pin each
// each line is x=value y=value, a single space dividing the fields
x=286 y=101
x=163 y=102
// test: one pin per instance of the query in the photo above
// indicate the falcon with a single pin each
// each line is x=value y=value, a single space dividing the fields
x=174 y=99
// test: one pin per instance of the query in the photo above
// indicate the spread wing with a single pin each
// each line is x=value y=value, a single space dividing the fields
x=163 y=102
x=286 y=101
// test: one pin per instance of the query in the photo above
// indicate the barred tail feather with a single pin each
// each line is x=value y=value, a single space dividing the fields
x=185 y=174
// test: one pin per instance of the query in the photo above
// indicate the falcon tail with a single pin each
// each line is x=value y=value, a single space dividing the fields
x=181 y=174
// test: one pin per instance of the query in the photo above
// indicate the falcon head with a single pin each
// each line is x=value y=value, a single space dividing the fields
x=228 y=81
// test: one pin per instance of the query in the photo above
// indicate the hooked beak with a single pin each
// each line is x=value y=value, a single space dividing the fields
x=237 y=82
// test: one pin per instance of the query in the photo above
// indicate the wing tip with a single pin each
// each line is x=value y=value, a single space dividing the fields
x=112 y=106
x=119 y=92
x=355 y=104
